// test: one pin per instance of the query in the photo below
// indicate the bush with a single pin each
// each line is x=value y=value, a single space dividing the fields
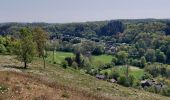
x=147 y=76
x=106 y=66
x=115 y=75
x=65 y=95
x=75 y=41
x=64 y=64
x=2 y=48
x=114 y=60
x=75 y=65
x=157 y=69
x=126 y=81
x=165 y=91
x=69 y=60
x=93 y=72
x=98 y=50
x=122 y=80
x=168 y=72
x=3 y=88
x=152 y=89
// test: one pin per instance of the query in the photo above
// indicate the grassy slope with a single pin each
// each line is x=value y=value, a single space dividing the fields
x=80 y=81
x=21 y=86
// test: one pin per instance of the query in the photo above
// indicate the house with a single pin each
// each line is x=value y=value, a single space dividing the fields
x=147 y=83
x=103 y=77
x=112 y=80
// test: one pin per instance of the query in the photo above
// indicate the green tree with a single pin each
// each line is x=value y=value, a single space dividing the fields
x=142 y=62
x=40 y=38
x=150 y=55
x=55 y=45
x=122 y=57
x=26 y=47
x=160 y=56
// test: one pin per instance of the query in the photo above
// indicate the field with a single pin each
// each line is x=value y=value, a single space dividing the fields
x=101 y=59
x=59 y=56
x=76 y=84
x=96 y=60
x=136 y=72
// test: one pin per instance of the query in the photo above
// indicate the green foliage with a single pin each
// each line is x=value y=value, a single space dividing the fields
x=150 y=55
x=64 y=64
x=3 y=88
x=114 y=60
x=115 y=74
x=112 y=28
x=69 y=60
x=65 y=95
x=98 y=50
x=160 y=56
x=122 y=57
x=75 y=65
x=126 y=81
x=2 y=48
x=152 y=89
x=26 y=47
x=147 y=76
x=168 y=72
x=165 y=91
x=157 y=69
x=40 y=38
x=122 y=80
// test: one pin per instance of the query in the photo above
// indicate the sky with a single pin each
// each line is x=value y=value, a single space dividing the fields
x=64 y=11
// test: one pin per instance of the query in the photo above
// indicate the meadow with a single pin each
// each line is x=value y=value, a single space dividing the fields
x=95 y=60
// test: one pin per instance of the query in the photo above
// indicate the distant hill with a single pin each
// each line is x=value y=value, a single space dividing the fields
x=91 y=29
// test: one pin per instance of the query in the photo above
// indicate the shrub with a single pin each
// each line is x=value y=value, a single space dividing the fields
x=168 y=72
x=126 y=81
x=122 y=80
x=3 y=88
x=93 y=72
x=147 y=76
x=157 y=69
x=115 y=74
x=75 y=65
x=165 y=91
x=65 y=95
x=64 y=64
x=98 y=50
x=152 y=89
x=69 y=60
x=114 y=60
x=2 y=48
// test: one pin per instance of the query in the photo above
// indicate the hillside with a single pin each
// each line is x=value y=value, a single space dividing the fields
x=60 y=84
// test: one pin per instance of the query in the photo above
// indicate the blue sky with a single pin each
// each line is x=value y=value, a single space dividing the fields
x=62 y=11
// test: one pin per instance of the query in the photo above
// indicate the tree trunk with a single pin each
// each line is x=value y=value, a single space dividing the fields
x=25 y=65
x=127 y=70
x=53 y=55
x=44 y=61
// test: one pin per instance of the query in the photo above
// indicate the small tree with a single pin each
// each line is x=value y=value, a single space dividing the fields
x=25 y=49
x=142 y=62
x=40 y=37
x=55 y=45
